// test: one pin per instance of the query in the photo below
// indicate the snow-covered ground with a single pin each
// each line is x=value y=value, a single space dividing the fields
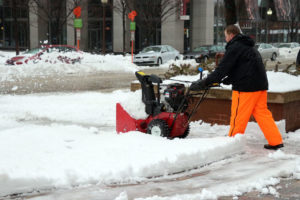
x=64 y=140
x=68 y=140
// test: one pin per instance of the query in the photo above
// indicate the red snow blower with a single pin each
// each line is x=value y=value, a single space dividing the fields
x=168 y=118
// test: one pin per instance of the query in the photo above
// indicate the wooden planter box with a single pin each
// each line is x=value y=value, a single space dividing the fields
x=215 y=109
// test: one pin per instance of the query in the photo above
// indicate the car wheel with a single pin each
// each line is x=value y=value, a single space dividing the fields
x=274 y=56
x=158 y=127
x=159 y=61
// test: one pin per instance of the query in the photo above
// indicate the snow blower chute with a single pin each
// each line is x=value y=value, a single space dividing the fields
x=168 y=118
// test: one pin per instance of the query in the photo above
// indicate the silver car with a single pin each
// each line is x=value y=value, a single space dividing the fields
x=267 y=51
x=156 y=55
x=289 y=49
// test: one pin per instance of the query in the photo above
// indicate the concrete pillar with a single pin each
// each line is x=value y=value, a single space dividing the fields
x=33 y=26
x=118 y=29
x=202 y=23
x=69 y=24
x=172 y=32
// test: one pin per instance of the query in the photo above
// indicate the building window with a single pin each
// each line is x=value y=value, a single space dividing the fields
x=7 y=26
x=95 y=26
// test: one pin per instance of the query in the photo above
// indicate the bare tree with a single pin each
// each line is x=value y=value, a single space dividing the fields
x=121 y=6
x=294 y=19
x=152 y=13
x=55 y=13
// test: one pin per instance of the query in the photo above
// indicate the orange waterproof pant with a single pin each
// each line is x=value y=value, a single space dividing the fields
x=245 y=104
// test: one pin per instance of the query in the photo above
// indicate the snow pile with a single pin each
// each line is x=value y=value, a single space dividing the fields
x=280 y=155
x=64 y=156
x=278 y=81
x=296 y=173
x=134 y=106
x=42 y=133
x=283 y=82
x=50 y=65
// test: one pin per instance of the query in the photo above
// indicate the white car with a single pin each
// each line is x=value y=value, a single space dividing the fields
x=289 y=49
x=156 y=55
x=267 y=51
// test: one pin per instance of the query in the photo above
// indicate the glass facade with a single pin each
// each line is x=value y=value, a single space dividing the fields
x=279 y=25
x=148 y=23
x=7 y=26
x=95 y=26
x=219 y=22
x=57 y=33
x=282 y=25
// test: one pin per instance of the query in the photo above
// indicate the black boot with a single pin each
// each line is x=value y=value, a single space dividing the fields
x=267 y=146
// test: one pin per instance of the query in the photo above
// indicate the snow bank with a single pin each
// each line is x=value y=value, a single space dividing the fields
x=89 y=64
x=278 y=81
x=64 y=156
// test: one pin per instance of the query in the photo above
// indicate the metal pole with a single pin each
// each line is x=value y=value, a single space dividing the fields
x=267 y=29
x=103 y=29
x=217 y=23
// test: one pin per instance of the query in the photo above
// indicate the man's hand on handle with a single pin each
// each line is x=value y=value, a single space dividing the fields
x=198 y=85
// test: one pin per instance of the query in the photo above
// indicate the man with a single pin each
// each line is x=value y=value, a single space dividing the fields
x=242 y=67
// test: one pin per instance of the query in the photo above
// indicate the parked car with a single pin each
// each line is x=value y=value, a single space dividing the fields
x=156 y=55
x=267 y=51
x=289 y=49
x=44 y=52
x=203 y=53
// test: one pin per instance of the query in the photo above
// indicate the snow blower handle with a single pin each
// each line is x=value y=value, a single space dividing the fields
x=201 y=72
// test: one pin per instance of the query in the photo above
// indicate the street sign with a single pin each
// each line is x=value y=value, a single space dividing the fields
x=132 y=26
x=77 y=23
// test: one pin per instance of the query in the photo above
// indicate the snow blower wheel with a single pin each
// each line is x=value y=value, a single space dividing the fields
x=186 y=132
x=158 y=127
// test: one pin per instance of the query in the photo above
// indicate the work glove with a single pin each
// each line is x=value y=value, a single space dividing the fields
x=198 y=85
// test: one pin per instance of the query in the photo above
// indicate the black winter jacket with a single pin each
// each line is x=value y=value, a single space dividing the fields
x=298 y=58
x=242 y=66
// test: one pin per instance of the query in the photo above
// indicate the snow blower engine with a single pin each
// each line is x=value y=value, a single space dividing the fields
x=167 y=118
